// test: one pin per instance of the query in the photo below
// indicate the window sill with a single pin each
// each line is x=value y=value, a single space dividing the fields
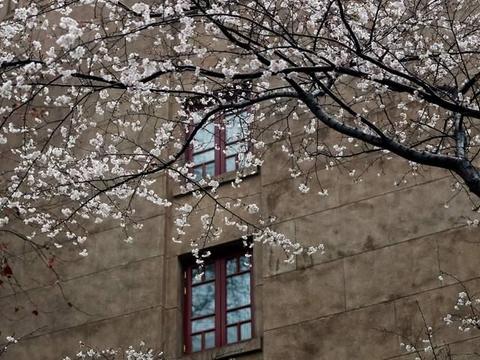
x=222 y=179
x=228 y=352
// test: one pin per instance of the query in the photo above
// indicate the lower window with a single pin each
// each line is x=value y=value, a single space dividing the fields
x=218 y=303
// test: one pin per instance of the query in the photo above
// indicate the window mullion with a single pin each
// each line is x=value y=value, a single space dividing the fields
x=189 y=149
x=188 y=304
x=252 y=305
x=220 y=147
x=223 y=147
x=222 y=302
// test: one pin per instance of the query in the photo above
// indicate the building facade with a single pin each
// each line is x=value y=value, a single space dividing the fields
x=385 y=248
x=398 y=251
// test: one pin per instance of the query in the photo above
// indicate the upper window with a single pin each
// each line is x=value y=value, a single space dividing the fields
x=218 y=303
x=220 y=146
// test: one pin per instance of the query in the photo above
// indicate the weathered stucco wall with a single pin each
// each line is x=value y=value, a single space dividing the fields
x=385 y=247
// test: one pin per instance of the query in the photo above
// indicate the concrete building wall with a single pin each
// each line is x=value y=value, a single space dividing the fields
x=385 y=247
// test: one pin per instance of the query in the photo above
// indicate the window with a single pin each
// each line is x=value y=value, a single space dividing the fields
x=218 y=303
x=220 y=146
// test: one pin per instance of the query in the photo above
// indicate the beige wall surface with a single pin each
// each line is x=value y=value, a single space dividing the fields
x=385 y=247
x=375 y=287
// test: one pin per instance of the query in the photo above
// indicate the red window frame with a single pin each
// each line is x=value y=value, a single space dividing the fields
x=221 y=310
x=219 y=147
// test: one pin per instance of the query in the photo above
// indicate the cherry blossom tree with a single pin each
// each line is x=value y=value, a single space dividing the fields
x=141 y=352
x=464 y=318
x=99 y=98
x=85 y=88
x=87 y=352
x=82 y=81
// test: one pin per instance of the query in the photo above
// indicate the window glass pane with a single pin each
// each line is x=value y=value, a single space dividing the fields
x=245 y=331
x=244 y=263
x=231 y=266
x=238 y=316
x=232 y=334
x=204 y=138
x=231 y=163
x=196 y=342
x=203 y=274
x=198 y=171
x=236 y=148
x=234 y=127
x=209 y=272
x=238 y=290
x=204 y=170
x=203 y=324
x=210 y=340
x=196 y=276
x=210 y=169
x=203 y=299
x=203 y=157
x=246 y=117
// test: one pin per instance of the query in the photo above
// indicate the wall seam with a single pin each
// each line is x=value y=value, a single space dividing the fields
x=367 y=306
